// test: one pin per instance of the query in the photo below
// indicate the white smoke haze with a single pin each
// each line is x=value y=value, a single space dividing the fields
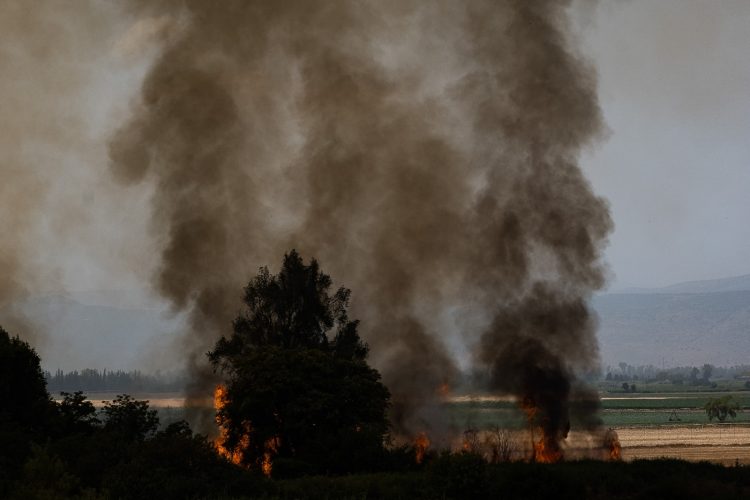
x=66 y=224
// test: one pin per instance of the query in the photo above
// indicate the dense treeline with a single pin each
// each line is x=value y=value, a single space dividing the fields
x=692 y=375
x=91 y=380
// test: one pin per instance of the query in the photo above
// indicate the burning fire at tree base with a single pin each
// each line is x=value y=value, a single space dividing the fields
x=236 y=454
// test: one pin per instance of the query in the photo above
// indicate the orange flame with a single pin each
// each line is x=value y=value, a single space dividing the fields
x=612 y=445
x=546 y=450
x=444 y=390
x=271 y=446
x=235 y=454
x=421 y=443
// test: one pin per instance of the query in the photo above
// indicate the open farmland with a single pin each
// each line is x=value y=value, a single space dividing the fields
x=727 y=444
x=653 y=409
x=642 y=422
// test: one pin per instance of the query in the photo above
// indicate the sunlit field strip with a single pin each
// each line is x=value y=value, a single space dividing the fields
x=486 y=412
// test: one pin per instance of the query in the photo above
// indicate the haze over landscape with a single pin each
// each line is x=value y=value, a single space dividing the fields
x=374 y=249
x=685 y=324
x=673 y=166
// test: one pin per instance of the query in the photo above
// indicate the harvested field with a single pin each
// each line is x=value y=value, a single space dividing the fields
x=726 y=444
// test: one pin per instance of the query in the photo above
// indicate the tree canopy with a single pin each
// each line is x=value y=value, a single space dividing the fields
x=298 y=386
x=132 y=419
x=721 y=408
x=23 y=390
x=292 y=310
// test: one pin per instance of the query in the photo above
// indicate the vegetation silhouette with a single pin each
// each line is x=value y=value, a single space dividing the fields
x=23 y=393
x=71 y=450
x=297 y=383
x=309 y=367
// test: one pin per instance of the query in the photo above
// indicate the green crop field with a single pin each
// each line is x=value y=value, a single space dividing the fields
x=617 y=410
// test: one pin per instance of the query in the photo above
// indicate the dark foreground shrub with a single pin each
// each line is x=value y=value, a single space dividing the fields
x=462 y=475
x=179 y=466
x=467 y=476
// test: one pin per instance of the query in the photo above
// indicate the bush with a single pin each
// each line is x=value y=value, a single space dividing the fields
x=462 y=475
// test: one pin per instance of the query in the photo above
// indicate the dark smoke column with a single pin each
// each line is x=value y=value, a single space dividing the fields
x=542 y=228
x=426 y=154
x=214 y=132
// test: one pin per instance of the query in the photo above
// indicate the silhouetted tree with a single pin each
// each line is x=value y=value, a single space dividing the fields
x=23 y=391
x=26 y=410
x=129 y=418
x=298 y=384
x=694 y=375
x=77 y=414
x=292 y=310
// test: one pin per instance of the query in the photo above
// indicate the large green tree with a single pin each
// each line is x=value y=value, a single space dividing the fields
x=298 y=387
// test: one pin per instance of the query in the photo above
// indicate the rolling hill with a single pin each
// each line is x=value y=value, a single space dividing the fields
x=684 y=324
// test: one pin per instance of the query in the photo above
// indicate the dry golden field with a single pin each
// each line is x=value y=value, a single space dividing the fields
x=727 y=444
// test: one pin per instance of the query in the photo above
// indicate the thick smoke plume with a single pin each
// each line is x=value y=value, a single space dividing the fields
x=42 y=55
x=425 y=152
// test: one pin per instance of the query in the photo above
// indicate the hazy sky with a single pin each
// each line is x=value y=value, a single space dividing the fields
x=674 y=80
x=674 y=85
x=675 y=89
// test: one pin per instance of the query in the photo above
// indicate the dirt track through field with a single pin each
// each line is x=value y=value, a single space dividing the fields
x=719 y=443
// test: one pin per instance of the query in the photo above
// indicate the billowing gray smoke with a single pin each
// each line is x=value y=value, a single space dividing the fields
x=41 y=52
x=424 y=152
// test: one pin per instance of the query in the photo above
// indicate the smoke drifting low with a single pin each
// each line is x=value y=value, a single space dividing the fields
x=425 y=152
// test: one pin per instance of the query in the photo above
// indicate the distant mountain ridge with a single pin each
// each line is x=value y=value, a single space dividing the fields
x=116 y=330
x=732 y=284
x=683 y=324
x=687 y=323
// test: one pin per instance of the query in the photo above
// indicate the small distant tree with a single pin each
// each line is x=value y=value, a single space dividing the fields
x=626 y=387
x=721 y=408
